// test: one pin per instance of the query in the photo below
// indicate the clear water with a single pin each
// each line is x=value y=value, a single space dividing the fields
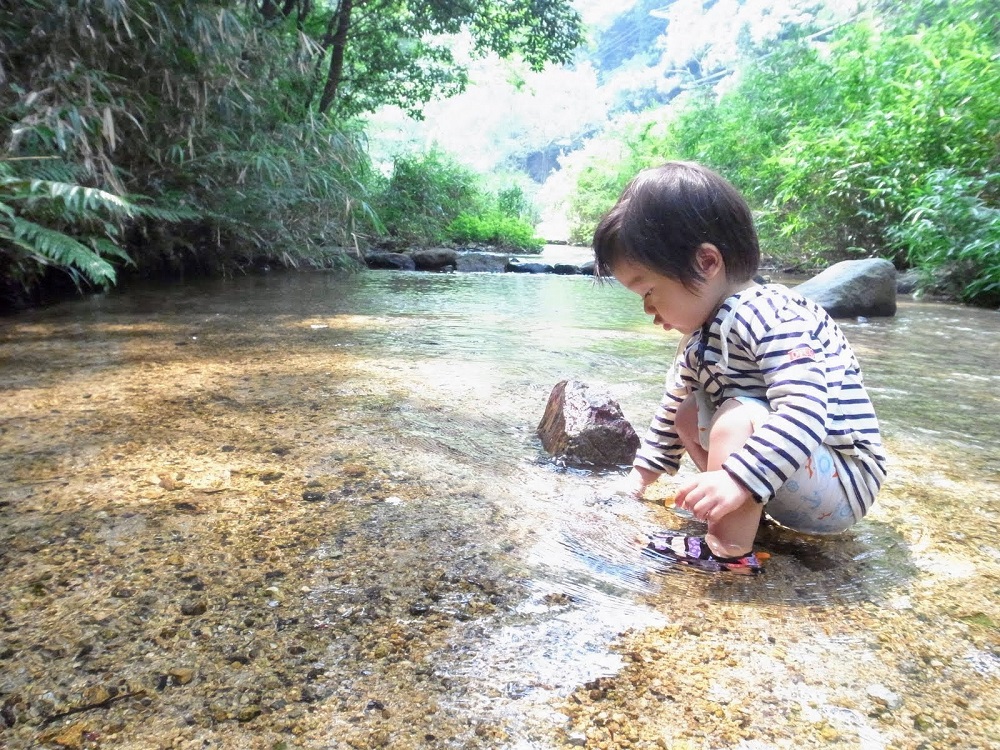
x=477 y=355
x=461 y=366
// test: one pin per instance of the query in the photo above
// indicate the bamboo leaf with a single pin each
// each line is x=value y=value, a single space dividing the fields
x=108 y=128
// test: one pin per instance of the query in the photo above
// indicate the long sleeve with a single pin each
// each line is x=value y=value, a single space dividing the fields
x=661 y=449
x=777 y=346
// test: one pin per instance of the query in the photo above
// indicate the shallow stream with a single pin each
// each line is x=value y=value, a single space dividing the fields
x=359 y=451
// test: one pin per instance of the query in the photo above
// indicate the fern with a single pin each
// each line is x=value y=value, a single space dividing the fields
x=51 y=247
x=60 y=224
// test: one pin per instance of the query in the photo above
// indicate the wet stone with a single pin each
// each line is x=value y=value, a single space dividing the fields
x=884 y=697
x=585 y=426
x=193 y=607
x=181 y=675
x=248 y=713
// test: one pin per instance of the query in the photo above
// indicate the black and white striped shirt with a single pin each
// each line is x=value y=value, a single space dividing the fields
x=772 y=344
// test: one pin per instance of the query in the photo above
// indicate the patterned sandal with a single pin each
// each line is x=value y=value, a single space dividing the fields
x=694 y=551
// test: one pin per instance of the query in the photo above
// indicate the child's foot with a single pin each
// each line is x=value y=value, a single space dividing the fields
x=694 y=551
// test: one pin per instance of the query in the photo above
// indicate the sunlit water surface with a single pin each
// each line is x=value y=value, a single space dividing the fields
x=476 y=356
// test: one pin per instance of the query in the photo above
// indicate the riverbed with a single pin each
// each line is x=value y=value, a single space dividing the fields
x=309 y=510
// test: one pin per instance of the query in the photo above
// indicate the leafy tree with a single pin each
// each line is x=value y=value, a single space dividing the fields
x=230 y=116
x=432 y=198
x=423 y=195
x=187 y=103
x=369 y=53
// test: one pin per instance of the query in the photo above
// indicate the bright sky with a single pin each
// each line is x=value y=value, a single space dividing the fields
x=600 y=12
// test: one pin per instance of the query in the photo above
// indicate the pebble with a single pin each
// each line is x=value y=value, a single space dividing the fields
x=884 y=696
x=192 y=608
x=310 y=668
x=181 y=675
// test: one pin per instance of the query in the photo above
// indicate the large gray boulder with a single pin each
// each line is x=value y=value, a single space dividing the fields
x=516 y=266
x=566 y=269
x=854 y=287
x=585 y=426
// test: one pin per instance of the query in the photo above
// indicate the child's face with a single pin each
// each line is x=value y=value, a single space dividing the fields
x=673 y=306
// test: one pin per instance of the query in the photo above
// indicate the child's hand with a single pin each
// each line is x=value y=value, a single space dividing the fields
x=711 y=495
x=637 y=481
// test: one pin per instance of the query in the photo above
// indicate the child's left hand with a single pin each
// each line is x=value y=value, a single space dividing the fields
x=711 y=495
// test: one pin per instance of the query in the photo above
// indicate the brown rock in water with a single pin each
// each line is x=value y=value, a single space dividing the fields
x=585 y=426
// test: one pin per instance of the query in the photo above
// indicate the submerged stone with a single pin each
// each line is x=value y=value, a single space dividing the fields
x=585 y=426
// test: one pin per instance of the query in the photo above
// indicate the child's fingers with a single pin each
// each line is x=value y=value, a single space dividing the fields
x=702 y=510
x=681 y=497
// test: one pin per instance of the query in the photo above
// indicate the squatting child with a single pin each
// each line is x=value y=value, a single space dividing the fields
x=765 y=395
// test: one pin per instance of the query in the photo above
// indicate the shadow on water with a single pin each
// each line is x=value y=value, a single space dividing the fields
x=868 y=563
x=871 y=562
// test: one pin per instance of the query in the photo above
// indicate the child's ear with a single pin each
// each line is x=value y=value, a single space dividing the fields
x=710 y=261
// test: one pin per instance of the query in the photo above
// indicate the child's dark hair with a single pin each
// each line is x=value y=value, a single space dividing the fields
x=666 y=213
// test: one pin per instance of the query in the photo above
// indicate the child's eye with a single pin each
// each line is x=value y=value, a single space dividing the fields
x=647 y=294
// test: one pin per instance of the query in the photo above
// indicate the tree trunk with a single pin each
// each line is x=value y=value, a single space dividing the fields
x=339 y=42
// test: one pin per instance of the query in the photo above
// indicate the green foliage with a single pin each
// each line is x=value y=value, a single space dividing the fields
x=293 y=194
x=369 y=53
x=48 y=223
x=906 y=105
x=876 y=142
x=953 y=234
x=495 y=228
x=424 y=194
x=512 y=202
x=194 y=105
x=431 y=198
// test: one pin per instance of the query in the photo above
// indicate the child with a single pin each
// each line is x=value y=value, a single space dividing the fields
x=766 y=395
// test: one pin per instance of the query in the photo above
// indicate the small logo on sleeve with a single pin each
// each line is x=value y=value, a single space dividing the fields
x=801 y=352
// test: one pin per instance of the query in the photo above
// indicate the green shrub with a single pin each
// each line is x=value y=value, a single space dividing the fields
x=423 y=195
x=952 y=235
x=49 y=221
x=431 y=198
x=514 y=203
x=495 y=228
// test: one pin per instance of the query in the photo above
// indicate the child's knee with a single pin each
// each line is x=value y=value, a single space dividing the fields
x=737 y=418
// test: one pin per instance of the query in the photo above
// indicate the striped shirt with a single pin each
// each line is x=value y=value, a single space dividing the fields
x=772 y=344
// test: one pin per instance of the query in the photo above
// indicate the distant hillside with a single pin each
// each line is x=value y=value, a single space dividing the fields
x=516 y=125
